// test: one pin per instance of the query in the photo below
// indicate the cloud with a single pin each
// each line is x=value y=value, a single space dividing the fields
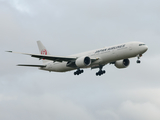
x=41 y=107
x=6 y=98
x=139 y=111
x=69 y=27
x=20 y=6
x=107 y=114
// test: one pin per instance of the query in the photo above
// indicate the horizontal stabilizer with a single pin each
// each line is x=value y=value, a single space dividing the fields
x=31 y=65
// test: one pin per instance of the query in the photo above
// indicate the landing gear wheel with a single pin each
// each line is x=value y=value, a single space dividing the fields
x=99 y=73
x=82 y=71
x=138 y=61
x=78 y=72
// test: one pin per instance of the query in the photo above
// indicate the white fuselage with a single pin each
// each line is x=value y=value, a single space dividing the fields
x=104 y=56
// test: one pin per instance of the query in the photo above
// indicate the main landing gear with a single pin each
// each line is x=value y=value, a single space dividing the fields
x=138 y=61
x=100 y=72
x=78 y=72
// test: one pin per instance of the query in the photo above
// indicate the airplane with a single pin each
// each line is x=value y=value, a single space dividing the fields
x=118 y=55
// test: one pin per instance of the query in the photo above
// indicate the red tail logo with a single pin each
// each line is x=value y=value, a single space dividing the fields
x=44 y=52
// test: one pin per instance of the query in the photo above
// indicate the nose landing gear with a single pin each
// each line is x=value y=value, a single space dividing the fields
x=138 y=61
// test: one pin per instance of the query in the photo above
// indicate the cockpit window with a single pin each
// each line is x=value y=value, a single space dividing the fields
x=141 y=44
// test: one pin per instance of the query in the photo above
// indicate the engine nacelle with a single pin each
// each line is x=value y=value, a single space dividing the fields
x=83 y=62
x=122 y=63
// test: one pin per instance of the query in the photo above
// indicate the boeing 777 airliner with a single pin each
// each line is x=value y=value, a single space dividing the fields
x=118 y=55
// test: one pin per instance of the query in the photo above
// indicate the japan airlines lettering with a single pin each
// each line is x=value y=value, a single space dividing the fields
x=117 y=47
x=118 y=55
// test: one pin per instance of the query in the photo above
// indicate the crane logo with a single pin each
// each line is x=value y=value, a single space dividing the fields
x=44 y=52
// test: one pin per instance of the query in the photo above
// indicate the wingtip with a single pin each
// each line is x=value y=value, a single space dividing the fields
x=9 y=51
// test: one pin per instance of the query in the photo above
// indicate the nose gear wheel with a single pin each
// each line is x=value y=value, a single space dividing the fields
x=138 y=61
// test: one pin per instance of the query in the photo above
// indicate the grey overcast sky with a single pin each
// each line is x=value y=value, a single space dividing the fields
x=67 y=27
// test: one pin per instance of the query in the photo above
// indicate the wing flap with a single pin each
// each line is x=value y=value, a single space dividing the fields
x=53 y=58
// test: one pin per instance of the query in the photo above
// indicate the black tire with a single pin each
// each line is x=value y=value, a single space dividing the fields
x=82 y=71
x=138 y=61
x=97 y=74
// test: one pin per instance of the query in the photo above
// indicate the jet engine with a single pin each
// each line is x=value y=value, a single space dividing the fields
x=83 y=62
x=122 y=63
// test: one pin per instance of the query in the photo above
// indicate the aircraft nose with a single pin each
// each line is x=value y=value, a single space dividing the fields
x=146 y=47
x=143 y=49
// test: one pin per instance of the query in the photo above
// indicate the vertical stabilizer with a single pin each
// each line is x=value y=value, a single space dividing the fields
x=43 y=51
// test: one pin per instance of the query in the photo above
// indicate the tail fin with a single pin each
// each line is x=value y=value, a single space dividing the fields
x=43 y=51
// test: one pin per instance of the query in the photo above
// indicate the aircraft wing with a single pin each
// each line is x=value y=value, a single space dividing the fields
x=53 y=58
x=49 y=57
x=31 y=65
